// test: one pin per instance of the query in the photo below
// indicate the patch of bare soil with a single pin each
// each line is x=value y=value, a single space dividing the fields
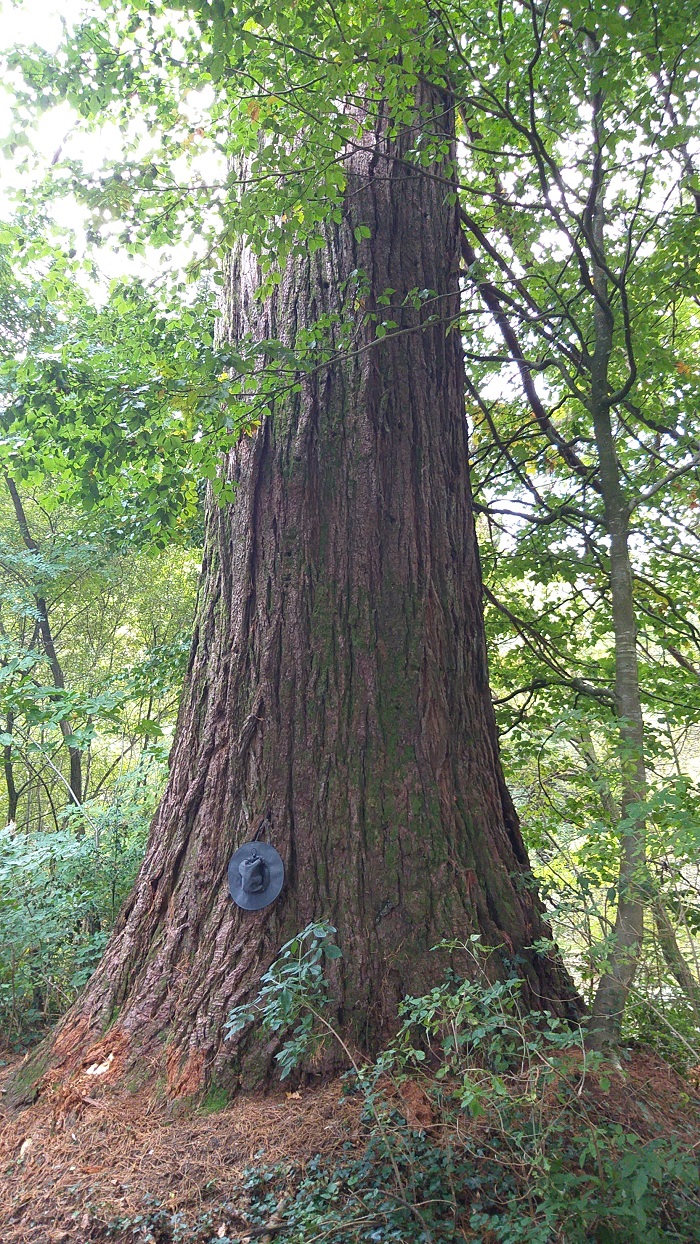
x=89 y=1155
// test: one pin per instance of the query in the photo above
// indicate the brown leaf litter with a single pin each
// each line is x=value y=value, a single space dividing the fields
x=75 y=1161
x=90 y=1152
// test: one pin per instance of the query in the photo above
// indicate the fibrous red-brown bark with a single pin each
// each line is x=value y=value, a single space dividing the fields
x=338 y=679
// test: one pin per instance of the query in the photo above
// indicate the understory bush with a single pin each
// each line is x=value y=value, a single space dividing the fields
x=60 y=893
x=527 y=1136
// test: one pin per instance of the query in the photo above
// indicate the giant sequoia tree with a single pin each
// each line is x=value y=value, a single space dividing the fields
x=338 y=682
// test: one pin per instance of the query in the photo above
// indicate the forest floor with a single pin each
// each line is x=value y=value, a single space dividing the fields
x=75 y=1165
x=88 y=1163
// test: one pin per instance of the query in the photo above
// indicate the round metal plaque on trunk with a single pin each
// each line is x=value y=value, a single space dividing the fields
x=255 y=875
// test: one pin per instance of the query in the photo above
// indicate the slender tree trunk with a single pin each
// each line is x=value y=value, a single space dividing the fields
x=666 y=934
x=8 y=766
x=613 y=988
x=674 y=958
x=338 y=681
x=43 y=622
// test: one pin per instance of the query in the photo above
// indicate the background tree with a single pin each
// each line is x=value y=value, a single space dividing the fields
x=580 y=212
x=95 y=618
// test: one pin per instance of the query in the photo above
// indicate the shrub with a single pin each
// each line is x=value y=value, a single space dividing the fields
x=60 y=893
x=527 y=1147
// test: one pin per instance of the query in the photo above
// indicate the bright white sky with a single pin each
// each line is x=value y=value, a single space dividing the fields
x=39 y=21
x=32 y=22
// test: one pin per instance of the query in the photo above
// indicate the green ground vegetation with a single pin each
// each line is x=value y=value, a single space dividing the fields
x=576 y=179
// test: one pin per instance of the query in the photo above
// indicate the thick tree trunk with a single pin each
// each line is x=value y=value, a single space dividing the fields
x=338 y=679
